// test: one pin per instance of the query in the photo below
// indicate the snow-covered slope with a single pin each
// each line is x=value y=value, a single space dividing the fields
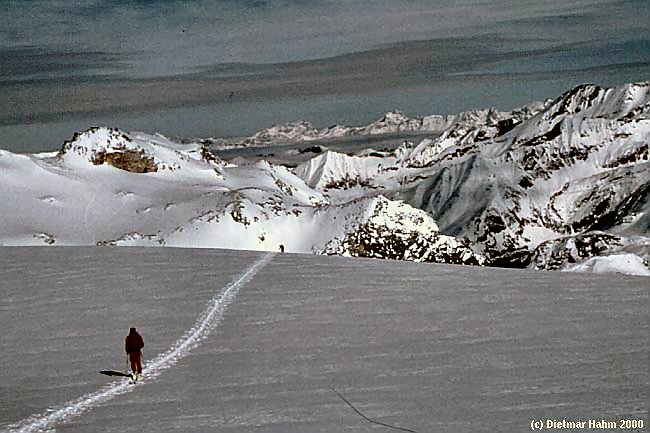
x=332 y=170
x=630 y=264
x=454 y=349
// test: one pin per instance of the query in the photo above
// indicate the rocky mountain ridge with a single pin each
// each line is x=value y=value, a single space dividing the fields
x=576 y=165
x=391 y=122
x=552 y=185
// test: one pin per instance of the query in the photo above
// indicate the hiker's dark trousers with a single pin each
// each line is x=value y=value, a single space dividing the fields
x=136 y=362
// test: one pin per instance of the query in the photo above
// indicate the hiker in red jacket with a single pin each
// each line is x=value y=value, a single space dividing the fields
x=133 y=345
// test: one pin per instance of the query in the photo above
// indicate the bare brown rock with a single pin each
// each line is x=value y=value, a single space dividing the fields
x=133 y=161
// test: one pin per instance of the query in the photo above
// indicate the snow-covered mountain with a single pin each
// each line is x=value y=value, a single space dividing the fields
x=508 y=182
x=561 y=184
x=577 y=166
x=108 y=187
x=391 y=122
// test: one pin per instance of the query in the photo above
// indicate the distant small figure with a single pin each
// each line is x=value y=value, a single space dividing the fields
x=281 y=248
x=133 y=345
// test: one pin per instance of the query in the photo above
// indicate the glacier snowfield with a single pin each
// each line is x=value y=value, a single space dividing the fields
x=431 y=348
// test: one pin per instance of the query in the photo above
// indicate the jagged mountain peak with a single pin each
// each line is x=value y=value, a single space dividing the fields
x=334 y=170
x=597 y=102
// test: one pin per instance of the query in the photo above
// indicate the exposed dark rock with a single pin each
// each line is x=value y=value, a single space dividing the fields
x=375 y=241
x=237 y=215
x=495 y=223
x=525 y=182
x=506 y=125
x=547 y=136
x=608 y=209
x=639 y=154
x=208 y=155
x=347 y=182
x=134 y=161
x=555 y=254
x=313 y=149
x=515 y=258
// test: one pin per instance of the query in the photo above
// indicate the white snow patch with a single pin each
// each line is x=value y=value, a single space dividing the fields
x=536 y=234
x=629 y=263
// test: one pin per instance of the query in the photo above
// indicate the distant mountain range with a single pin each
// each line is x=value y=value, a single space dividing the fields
x=391 y=122
x=561 y=184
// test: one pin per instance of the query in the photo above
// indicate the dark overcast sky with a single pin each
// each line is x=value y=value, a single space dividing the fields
x=230 y=67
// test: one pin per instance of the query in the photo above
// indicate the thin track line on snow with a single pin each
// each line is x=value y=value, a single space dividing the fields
x=207 y=321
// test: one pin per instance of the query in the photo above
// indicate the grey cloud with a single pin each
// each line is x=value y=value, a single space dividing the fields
x=398 y=66
x=176 y=36
x=29 y=63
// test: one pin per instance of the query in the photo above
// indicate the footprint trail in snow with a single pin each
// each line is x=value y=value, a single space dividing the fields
x=207 y=321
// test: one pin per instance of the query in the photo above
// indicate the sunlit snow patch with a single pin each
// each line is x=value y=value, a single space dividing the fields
x=629 y=263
